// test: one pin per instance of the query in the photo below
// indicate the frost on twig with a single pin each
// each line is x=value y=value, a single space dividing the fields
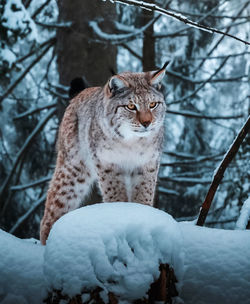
x=180 y=17
x=219 y=172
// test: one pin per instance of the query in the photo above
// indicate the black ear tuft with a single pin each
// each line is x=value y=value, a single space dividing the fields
x=76 y=86
x=165 y=65
x=112 y=71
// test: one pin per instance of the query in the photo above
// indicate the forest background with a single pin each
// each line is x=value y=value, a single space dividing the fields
x=46 y=44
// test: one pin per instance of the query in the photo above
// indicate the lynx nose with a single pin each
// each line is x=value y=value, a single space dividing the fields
x=145 y=118
x=146 y=123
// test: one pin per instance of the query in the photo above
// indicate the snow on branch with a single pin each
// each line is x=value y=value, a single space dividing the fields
x=178 y=16
x=244 y=217
x=113 y=38
x=219 y=172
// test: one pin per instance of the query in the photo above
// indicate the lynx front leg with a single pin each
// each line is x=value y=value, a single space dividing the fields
x=68 y=187
x=112 y=183
x=144 y=183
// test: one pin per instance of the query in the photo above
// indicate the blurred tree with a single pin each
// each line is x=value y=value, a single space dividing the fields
x=78 y=52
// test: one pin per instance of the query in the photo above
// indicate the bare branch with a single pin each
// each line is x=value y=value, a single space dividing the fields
x=219 y=173
x=193 y=180
x=132 y=52
x=32 y=209
x=156 y=8
x=55 y=25
x=197 y=160
x=26 y=144
x=219 y=56
x=25 y=72
x=203 y=116
x=34 y=50
x=221 y=38
x=213 y=16
x=117 y=38
x=166 y=191
x=35 y=110
x=30 y=185
x=40 y=8
x=201 y=86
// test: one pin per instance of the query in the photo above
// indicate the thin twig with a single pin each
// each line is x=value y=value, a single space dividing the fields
x=156 y=8
x=35 y=110
x=25 y=72
x=40 y=8
x=218 y=176
x=203 y=116
x=28 y=213
x=221 y=38
x=193 y=161
x=200 y=86
x=32 y=184
x=26 y=144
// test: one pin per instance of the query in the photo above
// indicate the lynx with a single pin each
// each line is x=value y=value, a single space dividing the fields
x=113 y=135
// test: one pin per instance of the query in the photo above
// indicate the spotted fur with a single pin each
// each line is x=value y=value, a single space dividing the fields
x=101 y=138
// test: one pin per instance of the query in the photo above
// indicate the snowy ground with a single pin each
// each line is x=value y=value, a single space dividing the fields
x=119 y=247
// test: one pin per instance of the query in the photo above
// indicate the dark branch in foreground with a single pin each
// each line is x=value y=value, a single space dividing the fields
x=156 y=8
x=218 y=176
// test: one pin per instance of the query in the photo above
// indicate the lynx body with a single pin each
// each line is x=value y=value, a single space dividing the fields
x=113 y=135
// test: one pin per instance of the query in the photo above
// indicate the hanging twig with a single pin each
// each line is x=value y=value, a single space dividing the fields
x=219 y=173
x=156 y=8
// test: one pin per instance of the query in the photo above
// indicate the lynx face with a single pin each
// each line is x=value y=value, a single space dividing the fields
x=135 y=106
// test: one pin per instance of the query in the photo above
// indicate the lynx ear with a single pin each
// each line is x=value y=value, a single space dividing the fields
x=116 y=83
x=157 y=76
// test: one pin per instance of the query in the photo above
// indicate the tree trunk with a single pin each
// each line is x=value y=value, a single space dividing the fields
x=148 y=49
x=77 y=52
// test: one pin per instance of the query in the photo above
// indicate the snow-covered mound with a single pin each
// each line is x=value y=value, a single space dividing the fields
x=119 y=247
x=21 y=271
x=115 y=246
x=216 y=266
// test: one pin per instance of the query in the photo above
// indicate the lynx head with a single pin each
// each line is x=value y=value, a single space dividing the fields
x=134 y=104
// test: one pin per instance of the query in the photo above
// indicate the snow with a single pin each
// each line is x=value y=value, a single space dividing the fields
x=21 y=273
x=244 y=216
x=117 y=247
x=8 y=56
x=217 y=264
x=16 y=18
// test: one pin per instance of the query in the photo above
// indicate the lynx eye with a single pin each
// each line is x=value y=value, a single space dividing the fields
x=153 y=105
x=131 y=107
